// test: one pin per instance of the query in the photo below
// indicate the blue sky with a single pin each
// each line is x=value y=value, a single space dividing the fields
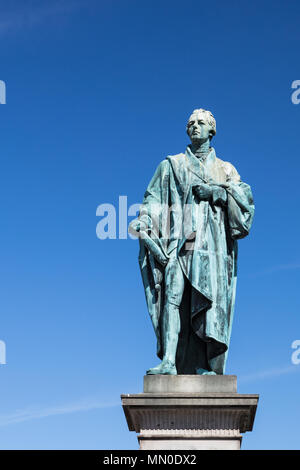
x=98 y=93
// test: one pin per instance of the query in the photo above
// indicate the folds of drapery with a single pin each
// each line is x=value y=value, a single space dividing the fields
x=205 y=239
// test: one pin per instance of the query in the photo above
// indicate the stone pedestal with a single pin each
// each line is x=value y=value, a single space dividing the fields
x=191 y=412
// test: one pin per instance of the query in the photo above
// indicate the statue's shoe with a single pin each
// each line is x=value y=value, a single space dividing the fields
x=205 y=372
x=164 y=368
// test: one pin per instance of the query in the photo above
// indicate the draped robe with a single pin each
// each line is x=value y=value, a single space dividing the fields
x=204 y=235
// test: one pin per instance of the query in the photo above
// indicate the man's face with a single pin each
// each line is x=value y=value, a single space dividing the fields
x=198 y=128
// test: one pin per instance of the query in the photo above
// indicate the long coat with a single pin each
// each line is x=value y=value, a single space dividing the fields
x=204 y=235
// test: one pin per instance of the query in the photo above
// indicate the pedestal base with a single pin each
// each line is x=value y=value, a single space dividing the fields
x=161 y=443
x=189 y=412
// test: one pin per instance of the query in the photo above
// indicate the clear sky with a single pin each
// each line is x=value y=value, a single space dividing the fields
x=97 y=94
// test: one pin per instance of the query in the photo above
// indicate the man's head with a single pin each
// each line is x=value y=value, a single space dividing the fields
x=201 y=126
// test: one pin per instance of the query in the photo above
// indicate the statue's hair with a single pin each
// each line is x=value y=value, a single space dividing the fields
x=210 y=119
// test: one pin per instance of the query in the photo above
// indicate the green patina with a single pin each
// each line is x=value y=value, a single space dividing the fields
x=194 y=210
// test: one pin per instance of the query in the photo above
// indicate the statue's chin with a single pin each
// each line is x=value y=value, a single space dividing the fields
x=198 y=140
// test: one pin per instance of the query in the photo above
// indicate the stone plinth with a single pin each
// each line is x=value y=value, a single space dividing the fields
x=190 y=412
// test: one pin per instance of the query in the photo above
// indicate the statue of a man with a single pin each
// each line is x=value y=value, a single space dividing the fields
x=194 y=211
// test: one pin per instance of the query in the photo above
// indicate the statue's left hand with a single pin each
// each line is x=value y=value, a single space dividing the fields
x=203 y=191
x=219 y=195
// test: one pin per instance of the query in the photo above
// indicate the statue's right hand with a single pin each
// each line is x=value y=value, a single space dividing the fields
x=136 y=226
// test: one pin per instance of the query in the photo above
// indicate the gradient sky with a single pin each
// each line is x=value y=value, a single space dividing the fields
x=98 y=93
